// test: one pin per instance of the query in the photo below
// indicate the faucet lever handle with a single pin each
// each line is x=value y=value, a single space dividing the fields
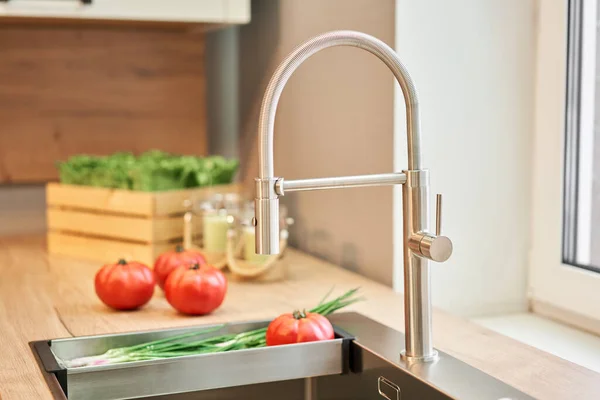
x=438 y=214
x=436 y=247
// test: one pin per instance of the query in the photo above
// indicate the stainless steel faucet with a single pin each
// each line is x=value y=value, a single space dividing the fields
x=419 y=244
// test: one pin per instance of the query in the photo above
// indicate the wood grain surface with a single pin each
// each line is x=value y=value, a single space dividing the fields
x=82 y=89
x=43 y=297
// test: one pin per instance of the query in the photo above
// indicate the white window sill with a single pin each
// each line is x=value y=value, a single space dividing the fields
x=563 y=341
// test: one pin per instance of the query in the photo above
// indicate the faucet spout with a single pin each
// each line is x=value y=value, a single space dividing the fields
x=332 y=39
x=419 y=244
x=267 y=203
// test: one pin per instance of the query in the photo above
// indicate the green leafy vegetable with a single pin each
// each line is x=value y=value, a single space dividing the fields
x=151 y=171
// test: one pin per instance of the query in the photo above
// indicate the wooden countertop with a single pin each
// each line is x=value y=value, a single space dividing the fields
x=44 y=297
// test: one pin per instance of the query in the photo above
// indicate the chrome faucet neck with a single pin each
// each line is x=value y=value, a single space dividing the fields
x=299 y=55
x=419 y=245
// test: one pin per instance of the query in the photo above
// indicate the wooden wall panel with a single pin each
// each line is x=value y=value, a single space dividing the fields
x=97 y=90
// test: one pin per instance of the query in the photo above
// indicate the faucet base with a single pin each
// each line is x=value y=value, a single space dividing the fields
x=433 y=357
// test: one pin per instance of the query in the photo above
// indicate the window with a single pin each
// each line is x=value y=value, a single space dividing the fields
x=581 y=210
x=565 y=257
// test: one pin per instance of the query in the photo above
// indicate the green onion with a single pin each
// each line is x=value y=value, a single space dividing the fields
x=182 y=345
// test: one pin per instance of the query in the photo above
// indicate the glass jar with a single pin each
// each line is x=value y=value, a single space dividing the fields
x=216 y=215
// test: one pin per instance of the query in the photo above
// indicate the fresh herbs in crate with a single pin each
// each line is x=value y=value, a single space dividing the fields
x=149 y=172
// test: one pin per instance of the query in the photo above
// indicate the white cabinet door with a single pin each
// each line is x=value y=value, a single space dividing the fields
x=206 y=11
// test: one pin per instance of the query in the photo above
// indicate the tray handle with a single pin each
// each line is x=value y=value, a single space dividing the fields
x=47 y=359
x=55 y=375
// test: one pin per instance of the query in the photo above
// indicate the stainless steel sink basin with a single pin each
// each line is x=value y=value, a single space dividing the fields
x=363 y=362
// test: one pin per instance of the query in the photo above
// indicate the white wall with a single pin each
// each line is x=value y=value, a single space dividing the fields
x=473 y=65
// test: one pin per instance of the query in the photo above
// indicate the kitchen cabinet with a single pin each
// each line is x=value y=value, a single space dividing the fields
x=191 y=11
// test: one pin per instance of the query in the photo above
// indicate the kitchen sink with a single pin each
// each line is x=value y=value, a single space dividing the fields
x=362 y=362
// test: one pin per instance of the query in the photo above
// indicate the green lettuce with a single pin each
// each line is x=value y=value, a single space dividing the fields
x=151 y=171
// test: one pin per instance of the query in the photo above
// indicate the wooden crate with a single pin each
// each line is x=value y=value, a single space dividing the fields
x=108 y=224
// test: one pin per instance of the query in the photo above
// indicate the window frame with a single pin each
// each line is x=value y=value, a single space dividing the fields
x=556 y=286
x=579 y=148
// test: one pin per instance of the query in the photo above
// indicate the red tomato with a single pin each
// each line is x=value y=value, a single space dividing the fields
x=124 y=286
x=195 y=289
x=298 y=327
x=168 y=261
